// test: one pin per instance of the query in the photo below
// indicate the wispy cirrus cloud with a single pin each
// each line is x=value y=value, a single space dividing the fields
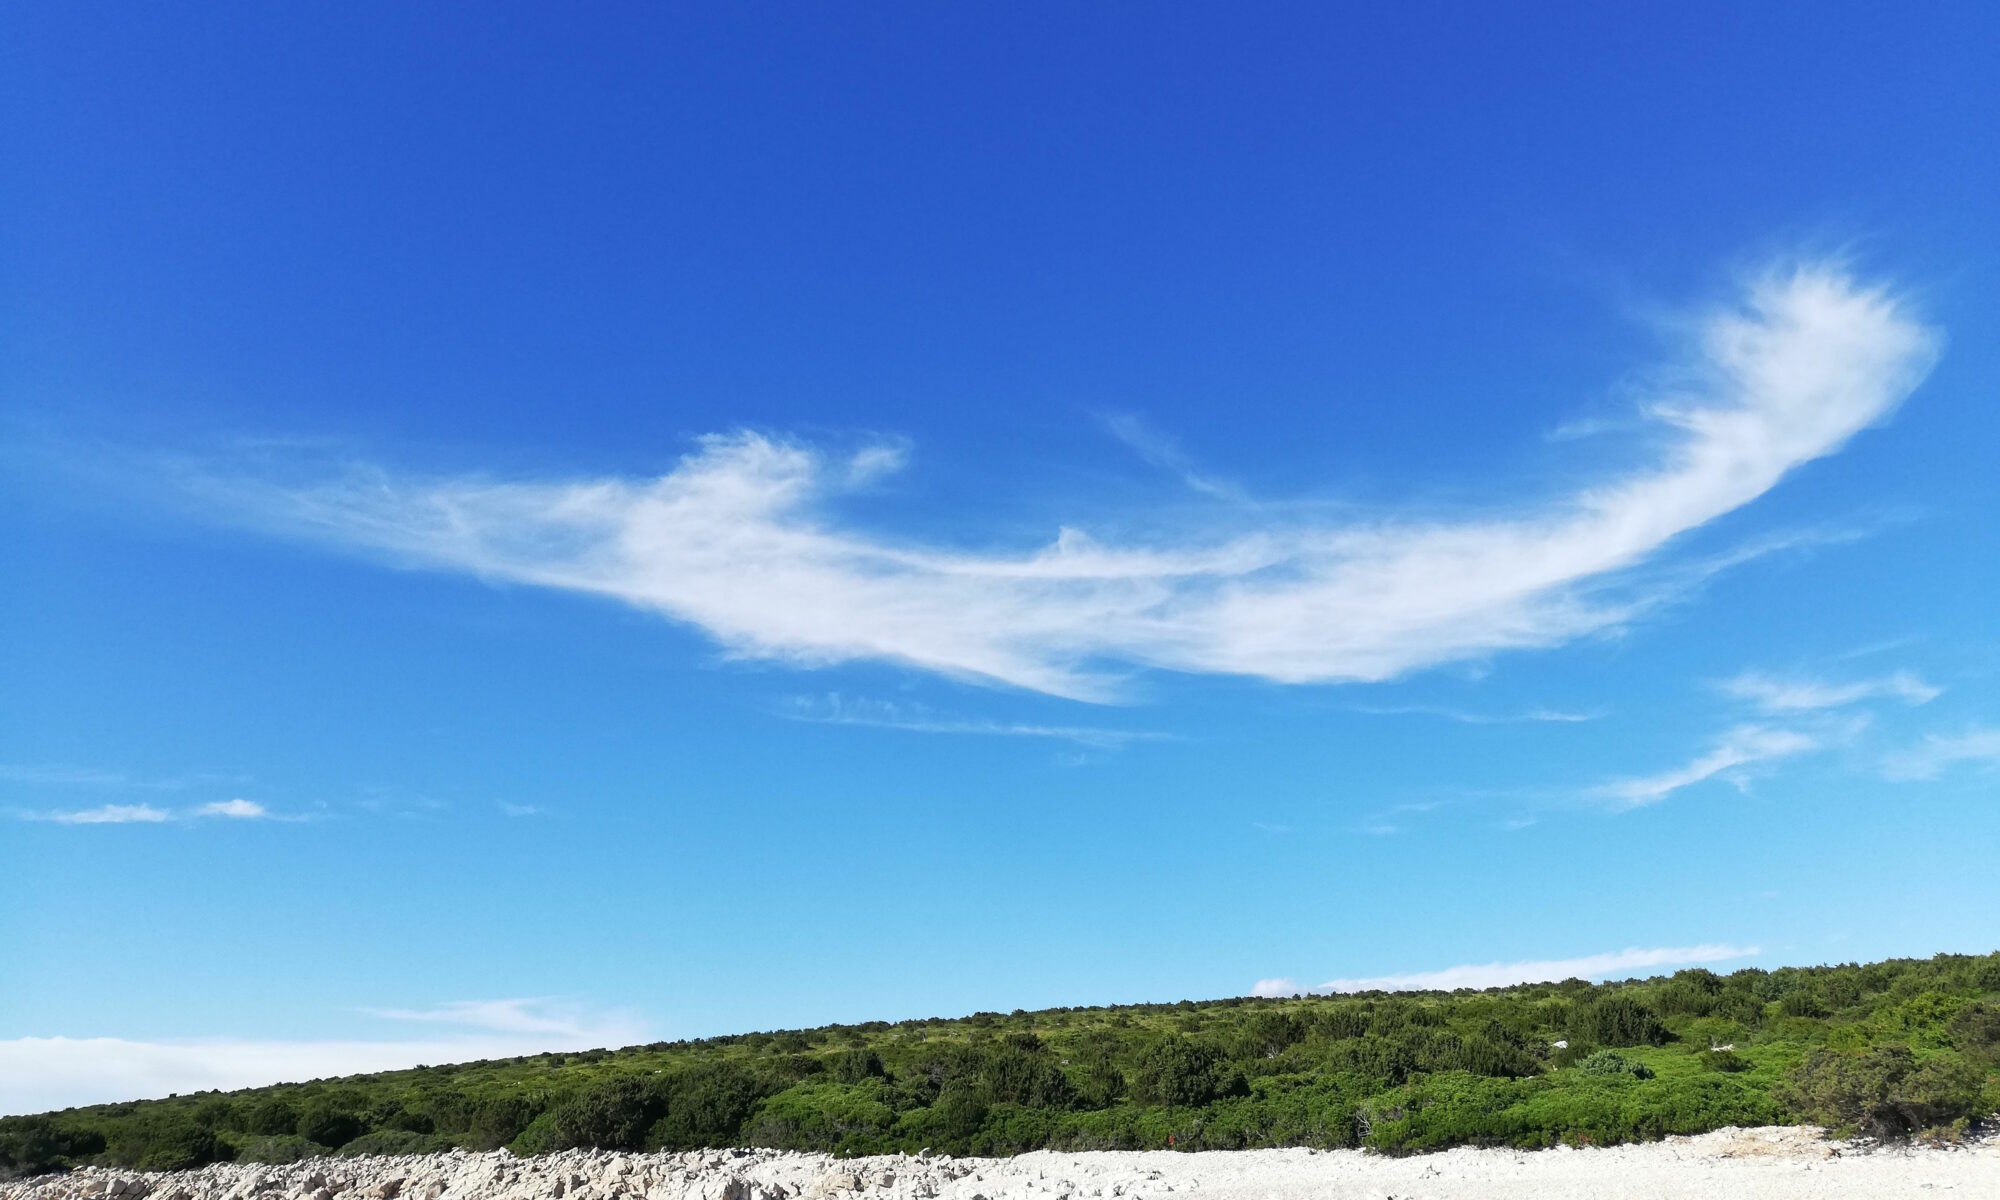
x=1742 y=747
x=146 y=814
x=1937 y=753
x=106 y=814
x=836 y=709
x=1782 y=695
x=1465 y=716
x=60 y=775
x=1498 y=974
x=742 y=539
x=1163 y=452
x=530 y=1014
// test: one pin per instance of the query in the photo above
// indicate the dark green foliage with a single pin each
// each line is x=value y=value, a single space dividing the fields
x=34 y=1145
x=853 y=1066
x=276 y=1150
x=1618 y=1020
x=1609 y=1064
x=1802 y=1002
x=495 y=1122
x=1899 y=1047
x=390 y=1141
x=175 y=1145
x=1885 y=1092
x=612 y=1115
x=1178 y=1072
x=274 y=1117
x=705 y=1106
x=330 y=1123
x=1975 y=1031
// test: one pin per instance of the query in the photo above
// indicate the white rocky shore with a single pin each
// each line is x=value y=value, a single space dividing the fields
x=1782 y=1163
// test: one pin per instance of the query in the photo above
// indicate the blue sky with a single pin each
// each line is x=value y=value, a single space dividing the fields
x=525 y=531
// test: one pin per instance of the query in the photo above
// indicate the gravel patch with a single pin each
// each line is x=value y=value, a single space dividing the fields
x=1784 y=1163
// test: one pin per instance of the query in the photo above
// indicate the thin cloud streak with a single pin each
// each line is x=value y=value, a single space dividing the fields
x=1743 y=746
x=106 y=814
x=1161 y=451
x=1774 y=695
x=1937 y=753
x=739 y=539
x=1488 y=975
x=1468 y=717
x=835 y=709
x=146 y=814
x=538 y=1015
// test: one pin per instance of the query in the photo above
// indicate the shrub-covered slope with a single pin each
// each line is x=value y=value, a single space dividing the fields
x=1886 y=1049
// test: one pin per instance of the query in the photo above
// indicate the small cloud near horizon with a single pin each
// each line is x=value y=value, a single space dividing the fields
x=106 y=814
x=40 y=1074
x=1488 y=975
x=236 y=810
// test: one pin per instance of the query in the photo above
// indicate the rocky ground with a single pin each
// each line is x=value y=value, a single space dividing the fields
x=1783 y=1163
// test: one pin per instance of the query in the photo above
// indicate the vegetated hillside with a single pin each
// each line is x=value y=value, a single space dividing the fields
x=1888 y=1049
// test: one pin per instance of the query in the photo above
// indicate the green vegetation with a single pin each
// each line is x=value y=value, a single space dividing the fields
x=1890 y=1049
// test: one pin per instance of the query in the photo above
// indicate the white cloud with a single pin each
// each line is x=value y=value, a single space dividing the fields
x=1486 y=975
x=239 y=810
x=146 y=814
x=1163 y=452
x=740 y=541
x=1803 y=695
x=1743 y=746
x=107 y=814
x=1930 y=757
x=835 y=709
x=522 y=810
x=42 y=1073
x=526 y=1015
x=1469 y=717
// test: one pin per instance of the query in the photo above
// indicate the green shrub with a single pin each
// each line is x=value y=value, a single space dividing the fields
x=274 y=1117
x=1179 y=1072
x=1618 y=1020
x=1726 y=1061
x=1975 y=1031
x=853 y=1066
x=275 y=1150
x=329 y=1123
x=38 y=1145
x=613 y=1114
x=831 y=1117
x=1883 y=1093
x=390 y=1141
x=538 y=1138
x=704 y=1106
x=180 y=1146
x=1609 y=1064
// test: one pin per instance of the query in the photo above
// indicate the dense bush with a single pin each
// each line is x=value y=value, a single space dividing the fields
x=612 y=1115
x=172 y=1145
x=1609 y=1064
x=1618 y=1020
x=1885 y=1092
x=1902 y=1047
x=330 y=1123
x=705 y=1105
x=33 y=1145
x=1179 y=1072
